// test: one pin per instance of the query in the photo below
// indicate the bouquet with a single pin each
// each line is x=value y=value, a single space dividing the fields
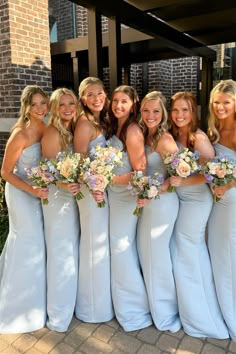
x=67 y=165
x=220 y=171
x=145 y=187
x=96 y=171
x=42 y=175
x=183 y=163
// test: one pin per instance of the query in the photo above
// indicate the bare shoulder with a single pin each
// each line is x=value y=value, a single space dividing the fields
x=134 y=129
x=18 y=139
x=166 y=138
x=203 y=145
x=167 y=144
x=201 y=136
x=50 y=132
x=84 y=125
x=50 y=137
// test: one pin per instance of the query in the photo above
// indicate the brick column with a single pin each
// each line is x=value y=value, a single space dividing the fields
x=24 y=52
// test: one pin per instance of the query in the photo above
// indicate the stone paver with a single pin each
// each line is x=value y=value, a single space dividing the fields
x=190 y=345
x=88 y=338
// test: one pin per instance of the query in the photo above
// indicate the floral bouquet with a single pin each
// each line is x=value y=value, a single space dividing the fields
x=67 y=165
x=183 y=163
x=42 y=175
x=96 y=171
x=145 y=187
x=220 y=171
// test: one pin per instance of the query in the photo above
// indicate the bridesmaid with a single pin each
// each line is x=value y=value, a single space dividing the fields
x=222 y=221
x=128 y=289
x=94 y=303
x=198 y=306
x=61 y=218
x=23 y=263
x=157 y=221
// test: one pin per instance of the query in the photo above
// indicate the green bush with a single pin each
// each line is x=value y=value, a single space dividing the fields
x=4 y=224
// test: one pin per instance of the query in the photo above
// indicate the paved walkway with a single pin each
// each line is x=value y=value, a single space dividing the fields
x=110 y=338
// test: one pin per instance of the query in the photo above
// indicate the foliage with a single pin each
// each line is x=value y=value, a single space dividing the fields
x=4 y=225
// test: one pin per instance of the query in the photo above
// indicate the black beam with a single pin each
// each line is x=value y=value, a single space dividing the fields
x=114 y=49
x=135 y=18
x=206 y=86
x=212 y=36
x=95 y=43
x=193 y=8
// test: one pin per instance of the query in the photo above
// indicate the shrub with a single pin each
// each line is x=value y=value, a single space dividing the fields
x=4 y=224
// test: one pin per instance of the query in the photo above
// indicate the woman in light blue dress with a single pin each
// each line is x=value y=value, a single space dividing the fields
x=198 y=306
x=157 y=220
x=222 y=221
x=61 y=217
x=23 y=263
x=94 y=302
x=128 y=289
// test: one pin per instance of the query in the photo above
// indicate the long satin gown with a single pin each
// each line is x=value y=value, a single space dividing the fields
x=198 y=305
x=23 y=263
x=94 y=302
x=154 y=232
x=61 y=223
x=128 y=289
x=222 y=248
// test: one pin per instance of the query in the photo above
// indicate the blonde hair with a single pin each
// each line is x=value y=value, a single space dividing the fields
x=26 y=101
x=163 y=126
x=103 y=117
x=190 y=98
x=66 y=136
x=225 y=86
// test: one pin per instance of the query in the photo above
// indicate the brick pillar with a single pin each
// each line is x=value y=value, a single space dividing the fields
x=24 y=53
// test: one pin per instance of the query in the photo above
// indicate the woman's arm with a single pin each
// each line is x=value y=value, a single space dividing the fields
x=16 y=144
x=136 y=152
x=84 y=133
x=50 y=142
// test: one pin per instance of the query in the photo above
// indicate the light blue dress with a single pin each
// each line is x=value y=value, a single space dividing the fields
x=198 y=306
x=128 y=289
x=61 y=224
x=94 y=302
x=222 y=247
x=22 y=263
x=154 y=232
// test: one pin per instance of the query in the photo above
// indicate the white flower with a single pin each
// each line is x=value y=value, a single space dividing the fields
x=183 y=169
x=152 y=192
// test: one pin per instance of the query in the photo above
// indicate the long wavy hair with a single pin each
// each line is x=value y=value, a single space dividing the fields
x=84 y=110
x=190 y=98
x=133 y=117
x=66 y=136
x=225 y=86
x=163 y=126
x=26 y=102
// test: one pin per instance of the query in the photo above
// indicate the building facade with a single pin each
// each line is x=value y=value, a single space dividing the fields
x=28 y=30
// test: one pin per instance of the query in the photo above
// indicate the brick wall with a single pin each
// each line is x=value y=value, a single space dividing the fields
x=160 y=77
x=184 y=73
x=82 y=23
x=64 y=14
x=3 y=139
x=24 y=51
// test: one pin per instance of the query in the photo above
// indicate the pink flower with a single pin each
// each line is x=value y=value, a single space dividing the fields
x=65 y=168
x=97 y=183
x=220 y=171
x=183 y=169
